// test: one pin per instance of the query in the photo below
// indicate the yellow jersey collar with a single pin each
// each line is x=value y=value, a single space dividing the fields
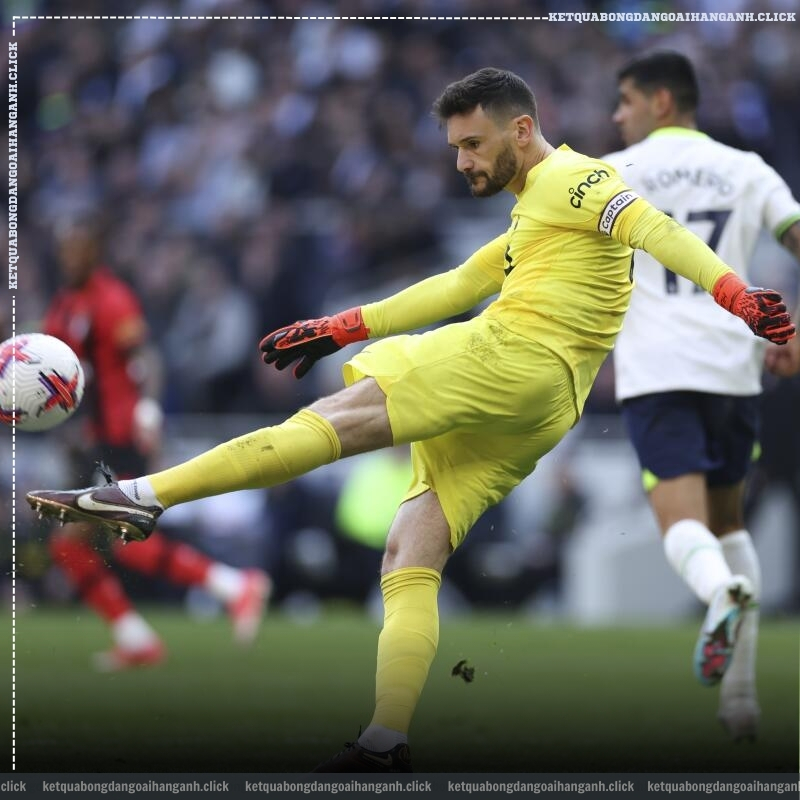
x=534 y=171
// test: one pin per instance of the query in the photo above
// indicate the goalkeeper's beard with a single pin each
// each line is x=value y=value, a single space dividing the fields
x=504 y=169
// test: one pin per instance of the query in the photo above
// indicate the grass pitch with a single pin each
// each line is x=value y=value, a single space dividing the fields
x=549 y=699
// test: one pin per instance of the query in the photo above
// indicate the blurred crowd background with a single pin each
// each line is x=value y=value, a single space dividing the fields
x=248 y=173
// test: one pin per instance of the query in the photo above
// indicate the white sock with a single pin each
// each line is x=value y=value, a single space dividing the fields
x=224 y=582
x=132 y=632
x=696 y=555
x=381 y=739
x=742 y=558
x=140 y=492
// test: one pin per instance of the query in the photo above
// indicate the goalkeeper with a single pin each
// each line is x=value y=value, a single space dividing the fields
x=480 y=401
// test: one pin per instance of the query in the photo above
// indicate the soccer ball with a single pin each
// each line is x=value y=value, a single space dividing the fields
x=41 y=381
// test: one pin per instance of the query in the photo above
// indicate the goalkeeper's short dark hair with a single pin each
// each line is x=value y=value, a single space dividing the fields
x=665 y=69
x=499 y=92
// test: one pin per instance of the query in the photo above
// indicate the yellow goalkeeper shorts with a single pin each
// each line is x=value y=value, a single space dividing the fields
x=480 y=406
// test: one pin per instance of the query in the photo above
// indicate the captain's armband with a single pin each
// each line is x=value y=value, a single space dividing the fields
x=613 y=208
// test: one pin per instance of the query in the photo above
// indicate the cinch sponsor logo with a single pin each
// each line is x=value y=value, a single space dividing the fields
x=609 y=214
x=579 y=192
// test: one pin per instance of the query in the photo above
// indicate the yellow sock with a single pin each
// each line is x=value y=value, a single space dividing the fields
x=407 y=643
x=263 y=458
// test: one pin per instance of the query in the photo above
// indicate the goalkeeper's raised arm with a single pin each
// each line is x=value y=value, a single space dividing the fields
x=431 y=300
x=684 y=253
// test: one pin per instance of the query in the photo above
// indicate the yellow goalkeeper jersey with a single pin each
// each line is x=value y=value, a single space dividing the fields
x=563 y=269
x=566 y=275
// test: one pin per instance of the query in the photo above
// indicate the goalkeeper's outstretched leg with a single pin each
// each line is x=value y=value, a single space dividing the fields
x=351 y=421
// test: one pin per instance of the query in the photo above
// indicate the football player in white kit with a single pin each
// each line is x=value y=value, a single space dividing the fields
x=688 y=375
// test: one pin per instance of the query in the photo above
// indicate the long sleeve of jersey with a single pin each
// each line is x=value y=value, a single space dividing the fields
x=670 y=243
x=440 y=296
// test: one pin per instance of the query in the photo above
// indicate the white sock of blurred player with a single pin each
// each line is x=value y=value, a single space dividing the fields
x=739 y=709
x=696 y=555
x=132 y=632
x=224 y=582
x=708 y=565
x=743 y=560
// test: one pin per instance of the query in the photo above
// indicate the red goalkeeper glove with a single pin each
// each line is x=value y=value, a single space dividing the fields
x=312 y=339
x=762 y=309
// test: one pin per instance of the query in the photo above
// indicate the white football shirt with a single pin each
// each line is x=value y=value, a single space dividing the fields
x=675 y=337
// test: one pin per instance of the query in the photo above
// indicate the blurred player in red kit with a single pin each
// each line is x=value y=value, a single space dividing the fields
x=100 y=318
